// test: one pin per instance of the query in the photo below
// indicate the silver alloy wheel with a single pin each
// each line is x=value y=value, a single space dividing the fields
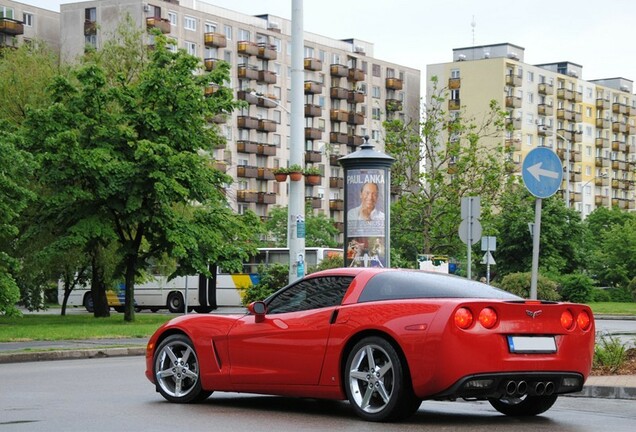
x=177 y=369
x=371 y=378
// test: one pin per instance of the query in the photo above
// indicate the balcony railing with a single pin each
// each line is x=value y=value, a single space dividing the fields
x=247 y=96
x=266 y=150
x=265 y=174
x=246 y=122
x=338 y=138
x=336 y=204
x=546 y=89
x=394 y=84
x=212 y=39
x=454 y=104
x=313 y=156
x=266 y=51
x=602 y=104
x=249 y=147
x=314 y=202
x=247 y=72
x=266 y=77
x=454 y=83
x=339 y=70
x=355 y=75
x=266 y=198
x=355 y=118
x=339 y=93
x=210 y=64
x=313 y=64
x=246 y=171
x=338 y=115
x=313 y=133
x=355 y=97
x=246 y=196
x=513 y=80
x=313 y=87
x=545 y=110
x=247 y=48
x=313 y=110
x=354 y=140
x=266 y=102
x=336 y=182
x=266 y=125
x=163 y=24
x=393 y=105
x=513 y=102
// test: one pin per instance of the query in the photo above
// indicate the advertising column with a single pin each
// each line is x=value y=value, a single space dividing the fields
x=367 y=206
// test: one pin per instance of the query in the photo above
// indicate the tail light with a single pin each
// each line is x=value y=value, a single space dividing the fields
x=463 y=318
x=488 y=317
x=583 y=320
x=567 y=319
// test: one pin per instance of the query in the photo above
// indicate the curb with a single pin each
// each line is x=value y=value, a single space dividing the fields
x=19 y=357
x=605 y=392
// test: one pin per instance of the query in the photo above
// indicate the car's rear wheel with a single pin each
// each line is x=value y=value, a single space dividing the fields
x=177 y=371
x=523 y=406
x=376 y=383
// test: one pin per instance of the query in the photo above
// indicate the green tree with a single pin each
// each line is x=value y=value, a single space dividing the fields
x=438 y=161
x=320 y=230
x=127 y=159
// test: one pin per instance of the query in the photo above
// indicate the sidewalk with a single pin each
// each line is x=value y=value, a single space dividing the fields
x=609 y=387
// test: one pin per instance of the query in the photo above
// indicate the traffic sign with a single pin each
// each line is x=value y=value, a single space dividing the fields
x=470 y=229
x=542 y=172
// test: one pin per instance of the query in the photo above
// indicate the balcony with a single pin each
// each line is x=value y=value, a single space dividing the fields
x=355 y=97
x=338 y=93
x=354 y=140
x=313 y=133
x=355 y=118
x=13 y=27
x=338 y=70
x=246 y=96
x=618 y=146
x=247 y=48
x=601 y=200
x=546 y=89
x=338 y=138
x=163 y=24
x=566 y=94
x=603 y=123
x=602 y=104
x=601 y=162
x=212 y=39
x=339 y=226
x=313 y=110
x=249 y=147
x=454 y=83
x=220 y=166
x=393 y=105
x=577 y=97
x=313 y=87
x=210 y=89
x=333 y=159
x=338 y=115
x=210 y=64
x=564 y=114
x=266 y=150
x=602 y=143
x=266 y=77
x=336 y=182
x=313 y=64
x=619 y=108
x=336 y=204
x=514 y=123
x=266 y=102
x=247 y=72
x=355 y=75
x=513 y=102
x=541 y=130
x=564 y=134
x=601 y=181
x=246 y=122
x=619 y=127
x=513 y=145
x=394 y=84
x=266 y=198
x=246 y=171
x=545 y=110
x=266 y=126
x=266 y=51
x=265 y=174
x=454 y=104
x=246 y=196
x=314 y=202
x=219 y=118
x=513 y=80
x=313 y=156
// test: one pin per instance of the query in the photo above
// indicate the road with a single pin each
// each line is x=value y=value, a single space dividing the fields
x=112 y=394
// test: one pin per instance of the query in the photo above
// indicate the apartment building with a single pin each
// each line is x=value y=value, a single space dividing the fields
x=348 y=92
x=590 y=124
x=21 y=23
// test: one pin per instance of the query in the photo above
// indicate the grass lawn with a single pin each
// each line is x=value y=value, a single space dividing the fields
x=614 y=308
x=57 y=327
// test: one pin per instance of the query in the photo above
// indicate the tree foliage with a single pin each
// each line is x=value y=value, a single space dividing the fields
x=320 y=230
x=438 y=161
x=519 y=284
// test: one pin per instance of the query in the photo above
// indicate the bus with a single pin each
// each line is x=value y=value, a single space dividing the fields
x=200 y=293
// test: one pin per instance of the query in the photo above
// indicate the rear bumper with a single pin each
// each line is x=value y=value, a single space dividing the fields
x=515 y=384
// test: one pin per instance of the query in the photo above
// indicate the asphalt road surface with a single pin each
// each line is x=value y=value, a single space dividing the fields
x=112 y=394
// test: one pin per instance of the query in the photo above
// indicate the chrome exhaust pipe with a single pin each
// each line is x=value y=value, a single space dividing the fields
x=511 y=388
x=539 y=388
x=522 y=387
x=549 y=388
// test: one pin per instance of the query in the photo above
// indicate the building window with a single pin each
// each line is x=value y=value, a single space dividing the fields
x=375 y=91
x=375 y=135
x=90 y=40
x=172 y=17
x=191 y=47
x=375 y=113
x=210 y=27
x=376 y=70
x=189 y=23
x=454 y=73
x=90 y=14
x=335 y=58
x=244 y=35
x=228 y=32
x=530 y=76
x=6 y=12
x=309 y=52
x=27 y=19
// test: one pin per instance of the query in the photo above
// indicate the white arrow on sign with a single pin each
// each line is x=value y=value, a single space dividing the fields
x=537 y=171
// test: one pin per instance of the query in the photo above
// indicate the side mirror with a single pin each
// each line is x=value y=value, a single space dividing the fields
x=258 y=309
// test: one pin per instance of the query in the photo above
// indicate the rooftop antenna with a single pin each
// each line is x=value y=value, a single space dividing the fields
x=473 y=24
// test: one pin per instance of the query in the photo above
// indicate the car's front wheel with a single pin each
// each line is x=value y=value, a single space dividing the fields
x=523 y=406
x=376 y=382
x=177 y=370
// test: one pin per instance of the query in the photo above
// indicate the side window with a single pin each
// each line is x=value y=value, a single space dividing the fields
x=314 y=293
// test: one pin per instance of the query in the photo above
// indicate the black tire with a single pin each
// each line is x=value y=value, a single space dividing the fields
x=154 y=310
x=175 y=302
x=377 y=382
x=120 y=309
x=524 y=406
x=203 y=309
x=177 y=371
x=88 y=302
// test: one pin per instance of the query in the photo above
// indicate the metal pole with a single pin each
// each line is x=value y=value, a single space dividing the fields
x=296 y=221
x=185 y=295
x=567 y=173
x=469 y=243
x=535 y=249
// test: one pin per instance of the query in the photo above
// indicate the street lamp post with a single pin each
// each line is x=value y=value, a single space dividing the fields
x=567 y=163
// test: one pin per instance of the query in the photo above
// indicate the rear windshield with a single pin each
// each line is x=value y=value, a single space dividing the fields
x=415 y=284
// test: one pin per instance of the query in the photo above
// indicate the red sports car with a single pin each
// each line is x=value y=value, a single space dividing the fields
x=384 y=339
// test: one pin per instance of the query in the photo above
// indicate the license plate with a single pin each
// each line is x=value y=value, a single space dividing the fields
x=531 y=344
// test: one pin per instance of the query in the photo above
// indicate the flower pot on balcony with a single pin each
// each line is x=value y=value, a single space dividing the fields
x=295 y=175
x=312 y=179
x=280 y=177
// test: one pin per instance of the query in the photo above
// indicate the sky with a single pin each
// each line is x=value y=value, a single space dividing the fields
x=596 y=35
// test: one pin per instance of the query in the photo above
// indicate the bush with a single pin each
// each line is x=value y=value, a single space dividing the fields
x=577 y=288
x=271 y=278
x=609 y=354
x=620 y=295
x=632 y=288
x=332 y=261
x=519 y=284
x=601 y=295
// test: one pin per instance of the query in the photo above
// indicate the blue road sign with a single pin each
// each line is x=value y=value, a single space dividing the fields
x=542 y=172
